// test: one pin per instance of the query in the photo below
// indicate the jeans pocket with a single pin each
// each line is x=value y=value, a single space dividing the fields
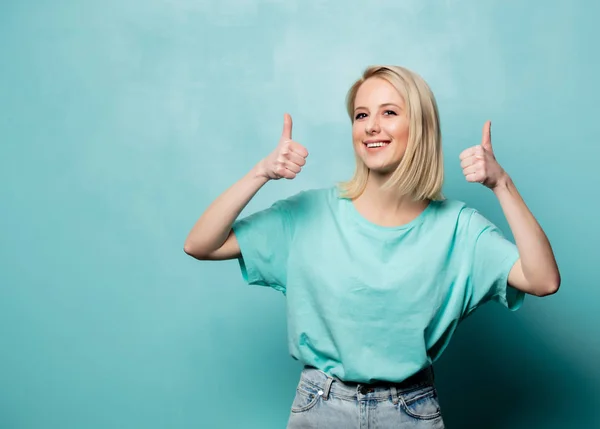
x=306 y=398
x=423 y=406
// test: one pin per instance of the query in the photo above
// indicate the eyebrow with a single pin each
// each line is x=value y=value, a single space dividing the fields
x=382 y=105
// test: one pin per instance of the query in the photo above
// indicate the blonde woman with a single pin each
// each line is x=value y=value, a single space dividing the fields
x=378 y=271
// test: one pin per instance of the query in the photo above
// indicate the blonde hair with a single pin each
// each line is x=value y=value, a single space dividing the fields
x=420 y=174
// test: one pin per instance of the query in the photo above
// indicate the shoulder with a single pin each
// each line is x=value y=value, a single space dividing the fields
x=466 y=218
x=450 y=209
x=308 y=200
x=311 y=196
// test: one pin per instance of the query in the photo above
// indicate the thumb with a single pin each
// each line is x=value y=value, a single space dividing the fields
x=486 y=136
x=287 y=127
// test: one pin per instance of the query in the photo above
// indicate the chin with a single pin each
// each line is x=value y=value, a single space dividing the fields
x=382 y=169
x=381 y=166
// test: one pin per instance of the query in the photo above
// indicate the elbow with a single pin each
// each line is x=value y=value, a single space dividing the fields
x=550 y=287
x=193 y=252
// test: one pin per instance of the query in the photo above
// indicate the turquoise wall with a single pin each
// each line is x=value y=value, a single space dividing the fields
x=122 y=120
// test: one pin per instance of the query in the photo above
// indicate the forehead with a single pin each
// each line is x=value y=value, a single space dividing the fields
x=376 y=90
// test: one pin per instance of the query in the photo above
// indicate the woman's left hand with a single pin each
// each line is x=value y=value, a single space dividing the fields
x=479 y=163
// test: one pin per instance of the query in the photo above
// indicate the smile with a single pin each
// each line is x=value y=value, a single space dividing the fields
x=375 y=145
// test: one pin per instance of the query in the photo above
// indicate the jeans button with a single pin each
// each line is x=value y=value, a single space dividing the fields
x=364 y=390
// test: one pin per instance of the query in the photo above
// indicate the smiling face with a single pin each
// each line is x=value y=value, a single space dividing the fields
x=380 y=125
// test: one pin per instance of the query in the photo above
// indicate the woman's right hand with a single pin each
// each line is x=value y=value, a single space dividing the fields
x=288 y=158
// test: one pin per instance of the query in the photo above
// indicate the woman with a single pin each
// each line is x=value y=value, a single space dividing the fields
x=378 y=271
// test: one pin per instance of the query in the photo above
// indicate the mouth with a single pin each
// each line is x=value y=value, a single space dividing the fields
x=376 y=145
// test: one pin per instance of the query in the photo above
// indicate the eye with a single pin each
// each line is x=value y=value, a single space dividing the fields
x=358 y=116
x=389 y=111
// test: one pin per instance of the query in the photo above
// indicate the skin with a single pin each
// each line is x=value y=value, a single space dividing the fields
x=211 y=237
x=380 y=114
x=536 y=272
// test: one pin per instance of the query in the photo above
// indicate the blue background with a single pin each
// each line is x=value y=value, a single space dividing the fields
x=122 y=120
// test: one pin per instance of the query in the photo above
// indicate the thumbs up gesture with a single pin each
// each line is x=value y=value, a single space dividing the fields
x=288 y=158
x=479 y=163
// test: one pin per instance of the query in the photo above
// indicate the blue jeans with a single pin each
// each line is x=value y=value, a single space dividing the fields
x=325 y=402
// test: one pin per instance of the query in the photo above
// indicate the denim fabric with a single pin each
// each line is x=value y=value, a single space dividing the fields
x=325 y=402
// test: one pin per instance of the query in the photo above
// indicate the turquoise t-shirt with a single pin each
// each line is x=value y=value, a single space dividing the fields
x=369 y=303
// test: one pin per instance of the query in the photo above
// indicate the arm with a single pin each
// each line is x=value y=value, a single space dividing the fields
x=212 y=238
x=536 y=271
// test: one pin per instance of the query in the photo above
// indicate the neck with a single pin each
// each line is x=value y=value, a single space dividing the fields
x=387 y=207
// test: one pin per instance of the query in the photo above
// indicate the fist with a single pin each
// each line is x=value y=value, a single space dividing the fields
x=479 y=163
x=288 y=158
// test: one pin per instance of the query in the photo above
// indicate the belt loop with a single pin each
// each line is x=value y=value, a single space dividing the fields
x=394 y=392
x=327 y=388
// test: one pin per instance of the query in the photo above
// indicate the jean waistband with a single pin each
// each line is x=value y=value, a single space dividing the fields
x=377 y=390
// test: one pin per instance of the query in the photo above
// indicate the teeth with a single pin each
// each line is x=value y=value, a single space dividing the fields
x=378 y=144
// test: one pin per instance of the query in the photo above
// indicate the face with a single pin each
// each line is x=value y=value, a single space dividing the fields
x=380 y=128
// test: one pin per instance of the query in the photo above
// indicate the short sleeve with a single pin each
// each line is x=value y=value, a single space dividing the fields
x=264 y=239
x=492 y=258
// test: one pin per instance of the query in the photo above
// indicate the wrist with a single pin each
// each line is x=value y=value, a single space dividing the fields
x=259 y=172
x=502 y=184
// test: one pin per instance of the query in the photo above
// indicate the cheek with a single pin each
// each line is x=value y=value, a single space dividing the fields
x=356 y=134
x=398 y=128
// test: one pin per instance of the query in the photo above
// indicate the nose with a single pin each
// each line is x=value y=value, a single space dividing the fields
x=372 y=125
